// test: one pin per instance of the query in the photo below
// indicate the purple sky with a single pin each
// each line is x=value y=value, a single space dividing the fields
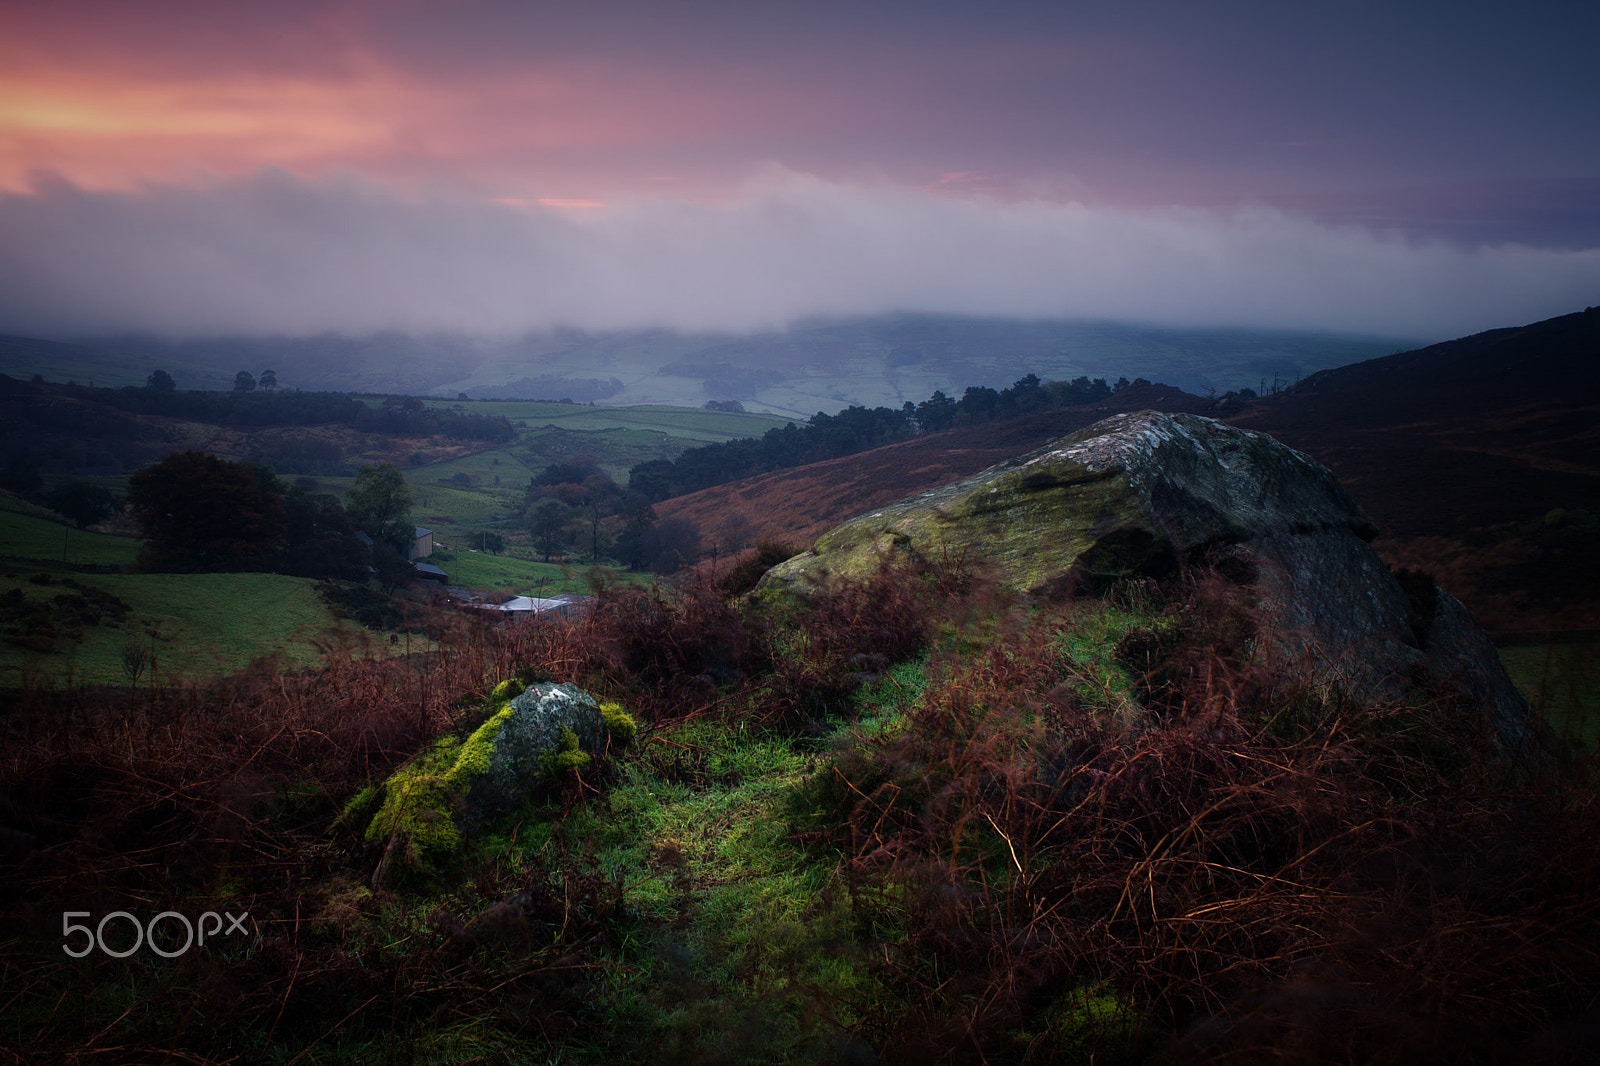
x=1428 y=169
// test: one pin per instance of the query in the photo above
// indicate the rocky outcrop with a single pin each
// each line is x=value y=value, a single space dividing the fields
x=1142 y=493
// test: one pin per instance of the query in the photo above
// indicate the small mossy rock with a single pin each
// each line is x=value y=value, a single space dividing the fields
x=427 y=805
x=531 y=726
x=1138 y=494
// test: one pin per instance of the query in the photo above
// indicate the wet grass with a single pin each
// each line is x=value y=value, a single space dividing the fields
x=28 y=536
x=196 y=626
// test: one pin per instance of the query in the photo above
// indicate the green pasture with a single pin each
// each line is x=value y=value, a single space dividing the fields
x=197 y=625
x=481 y=469
x=1562 y=682
x=524 y=576
x=432 y=504
x=25 y=535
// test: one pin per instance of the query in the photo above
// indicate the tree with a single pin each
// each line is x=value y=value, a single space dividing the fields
x=671 y=544
x=318 y=539
x=21 y=476
x=936 y=412
x=392 y=567
x=594 y=514
x=243 y=381
x=83 y=503
x=379 y=504
x=199 y=513
x=545 y=523
x=630 y=544
x=160 y=381
x=268 y=380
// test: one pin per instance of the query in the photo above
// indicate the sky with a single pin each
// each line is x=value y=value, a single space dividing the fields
x=493 y=166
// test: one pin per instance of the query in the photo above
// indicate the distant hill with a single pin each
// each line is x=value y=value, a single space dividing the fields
x=1496 y=427
x=822 y=365
x=1478 y=458
x=99 y=364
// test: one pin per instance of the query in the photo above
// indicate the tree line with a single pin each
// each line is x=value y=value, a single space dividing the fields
x=857 y=429
x=248 y=405
x=200 y=513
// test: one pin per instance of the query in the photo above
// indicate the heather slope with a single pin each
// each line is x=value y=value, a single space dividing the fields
x=798 y=504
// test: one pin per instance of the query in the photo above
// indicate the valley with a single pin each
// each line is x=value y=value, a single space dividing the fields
x=1107 y=805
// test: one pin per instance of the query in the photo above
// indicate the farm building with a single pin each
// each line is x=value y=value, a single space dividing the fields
x=421 y=543
x=429 y=572
x=522 y=607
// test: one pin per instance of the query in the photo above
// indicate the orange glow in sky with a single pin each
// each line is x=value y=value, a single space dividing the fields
x=504 y=133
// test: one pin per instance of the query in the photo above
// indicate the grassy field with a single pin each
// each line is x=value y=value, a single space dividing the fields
x=25 y=535
x=500 y=470
x=525 y=576
x=197 y=625
x=1562 y=681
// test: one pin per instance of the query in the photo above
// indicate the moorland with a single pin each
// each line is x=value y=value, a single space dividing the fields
x=915 y=819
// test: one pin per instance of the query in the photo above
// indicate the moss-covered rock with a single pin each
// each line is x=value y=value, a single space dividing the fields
x=1127 y=495
x=427 y=806
x=506 y=691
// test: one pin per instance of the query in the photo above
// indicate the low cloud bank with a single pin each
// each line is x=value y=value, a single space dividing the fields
x=277 y=254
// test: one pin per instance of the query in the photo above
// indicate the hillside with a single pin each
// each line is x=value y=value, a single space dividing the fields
x=68 y=616
x=1489 y=428
x=908 y=821
x=1479 y=459
x=796 y=505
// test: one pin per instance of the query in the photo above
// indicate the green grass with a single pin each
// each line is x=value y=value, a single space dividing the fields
x=1562 y=681
x=728 y=910
x=199 y=625
x=27 y=536
x=482 y=467
x=480 y=570
x=432 y=503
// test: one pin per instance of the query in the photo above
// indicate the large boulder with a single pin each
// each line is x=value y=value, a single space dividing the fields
x=1141 y=494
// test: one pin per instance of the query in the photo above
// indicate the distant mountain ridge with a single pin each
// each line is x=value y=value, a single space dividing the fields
x=813 y=366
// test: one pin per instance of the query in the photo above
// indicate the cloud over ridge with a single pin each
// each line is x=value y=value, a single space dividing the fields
x=274 y=253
